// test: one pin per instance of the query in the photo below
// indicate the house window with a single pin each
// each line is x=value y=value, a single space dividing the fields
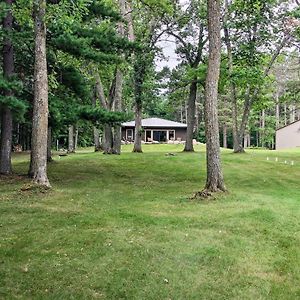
x=171 y=135
x=129 y=134
x=160 y=136
x=148 y=136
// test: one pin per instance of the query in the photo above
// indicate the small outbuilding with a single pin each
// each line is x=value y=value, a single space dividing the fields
x=156 y=130
x=288 y=137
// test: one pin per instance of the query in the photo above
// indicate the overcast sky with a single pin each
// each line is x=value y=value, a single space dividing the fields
x=168 y=45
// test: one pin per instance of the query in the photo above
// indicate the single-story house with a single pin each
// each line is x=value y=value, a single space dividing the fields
x=288 y=136
x=156 y=130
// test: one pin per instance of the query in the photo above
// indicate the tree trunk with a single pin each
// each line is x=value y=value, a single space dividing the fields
x=225 y=136
x=118 y=107
x=97 y=139
x=107 y=140
x=245 y=141
x=277 y=109
x=139 y=76
x=40 y=105
x=262 y=132
x=292 y=113
x=245 y=118
x=285 y=114
x=6 y=117
x=233 y=95
x=71 y=147
x=95 y=129
x=191 y=111
x=49 y=145
x=138 y=128
x=76 y=139
x=215 y=181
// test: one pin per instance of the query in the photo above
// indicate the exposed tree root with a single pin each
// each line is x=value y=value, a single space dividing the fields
x=207 y=194
x=33 y=187
x=137 y=151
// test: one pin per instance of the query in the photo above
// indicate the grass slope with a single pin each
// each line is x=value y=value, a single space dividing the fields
x=121 y=227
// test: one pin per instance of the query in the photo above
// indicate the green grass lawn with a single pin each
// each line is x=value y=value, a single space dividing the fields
x=122 y=227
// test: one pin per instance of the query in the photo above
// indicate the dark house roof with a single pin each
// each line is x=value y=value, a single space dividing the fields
x=156 y=123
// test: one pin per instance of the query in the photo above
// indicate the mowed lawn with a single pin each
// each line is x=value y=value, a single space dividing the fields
x=123 y=227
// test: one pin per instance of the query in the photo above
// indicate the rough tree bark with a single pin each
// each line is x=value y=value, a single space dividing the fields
x=139 y=75
x=118 y=107
x=49 y=145
x=95 y=129
x=191 y=111
x=71 y=146
x=277 y=109
x=225 y=136
x=138 y=128
x=6 y=116
x=215 y=181
x=76 y=138
x=40 y=104
x=263 y=125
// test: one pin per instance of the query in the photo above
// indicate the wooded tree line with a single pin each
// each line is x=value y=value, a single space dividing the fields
x=257 y=90
x=74 y=70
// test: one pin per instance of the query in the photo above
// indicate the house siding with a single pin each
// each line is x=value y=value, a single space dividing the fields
x=288 y=137
x=180 y=133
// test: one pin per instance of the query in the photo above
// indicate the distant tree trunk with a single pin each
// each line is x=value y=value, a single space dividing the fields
x=49 y=145
x=95 y=129
x=71 y=147
x=138 y=128
x=186 y=111
x=118 y=107
x=233 y=95
x=225 y=136
x=139 y=76
x=246 y=141
x=6 y=117
x=243 y=126
x=191 y=111
x=277 y=109
x=76 y=138
x=285 y=114
x=215 y=181
x=107 y=141
x=262 y=132
x=40 y=105
x=292 y=113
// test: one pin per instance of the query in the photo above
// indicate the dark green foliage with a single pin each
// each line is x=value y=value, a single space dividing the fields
x=17 y=106
x=106 y=40
x=15 y=103
x=98 y=8
x=101 y=116
x=81 y=47
x=75 y=81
